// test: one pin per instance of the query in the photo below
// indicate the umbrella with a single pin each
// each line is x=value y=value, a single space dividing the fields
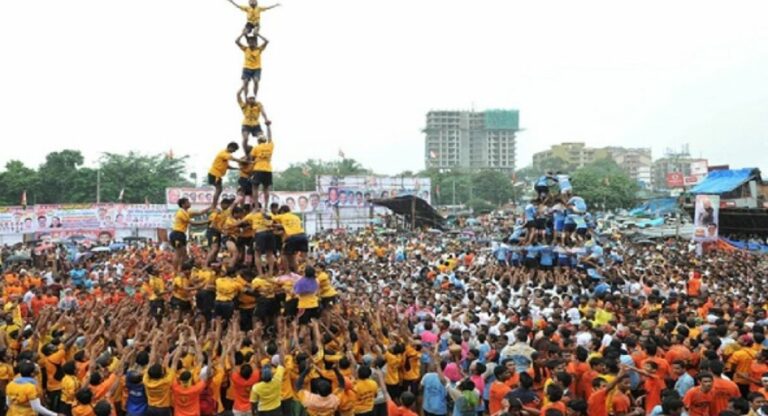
x=100 y=249
x=83 y=257
x=116 y=246
x=18 y=259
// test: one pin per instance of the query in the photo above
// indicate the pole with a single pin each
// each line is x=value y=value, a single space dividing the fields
x=413 y=214
x=98 y=186
x=454 y=192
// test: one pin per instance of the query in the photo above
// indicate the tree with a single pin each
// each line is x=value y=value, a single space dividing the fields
x=492 y=186
x=62 y=181
x=604 y=183
x=16 y=179
x=303 y=176
x=143 y=177
x=554 y=164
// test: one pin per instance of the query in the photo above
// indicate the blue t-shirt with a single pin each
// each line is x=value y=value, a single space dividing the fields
x=565 y=183
x=435 y=395
x=578 y=203
x=547 y=256
x=136 y=404
x=530 y=212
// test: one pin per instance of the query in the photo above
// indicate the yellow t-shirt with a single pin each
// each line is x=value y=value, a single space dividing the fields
x=308 y=301
x=365 y=390
x=19 y=394
x=217 y=219
x=392 y=375
x=69 y=386
x=159 y=390
x=180 y=291
x=259 y=223
x=252 y=58
x=245 y=300
x=262 y=156
x=253 y=13
x=251 y=114
x=227 y=289
x=265 y=287
x=155 y=287
x=325 y=288
x=206 y=276
x=181 y=221
x=291 y=223
x=245 y=169
x=220 y=164
x=268 y=394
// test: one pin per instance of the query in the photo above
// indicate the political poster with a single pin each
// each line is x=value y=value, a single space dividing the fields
x=358 y=191
x=18 y=220
x=706 y=217
x=201 y=198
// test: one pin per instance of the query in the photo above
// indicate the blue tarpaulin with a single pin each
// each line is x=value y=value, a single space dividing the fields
x=745 y=245
x=655 y=207
x=721 y=181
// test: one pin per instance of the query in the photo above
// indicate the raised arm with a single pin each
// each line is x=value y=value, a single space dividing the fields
x=269 y=7
x=264 y=114
x=240 y=100
x=233 y=3
x=239 y=41
x=264 y=43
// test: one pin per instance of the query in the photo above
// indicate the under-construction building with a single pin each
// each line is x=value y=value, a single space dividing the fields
x=471 y=140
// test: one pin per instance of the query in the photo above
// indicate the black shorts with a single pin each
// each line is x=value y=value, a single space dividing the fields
x=250 y=26
x=541 y=223
x=243 y=242
x=245 y=186
x=224 y=310
x=278 y=243
x=291 y=308
x=261 y=178
x=569 y=228
x=296 y=244
x=251 y=74
x=541 y=189
x=213 y=236
x=214 y=180
x=156 y=308
x=267 y=307
x=265 y=242
x=205 y=301
x=182 y=305
x=178 y=239
x=327 y=303
x=307 y=315
x=252 y=130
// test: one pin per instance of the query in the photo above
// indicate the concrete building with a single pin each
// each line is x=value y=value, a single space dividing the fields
x=471 y=140
x=574 y=154
x=636 y=162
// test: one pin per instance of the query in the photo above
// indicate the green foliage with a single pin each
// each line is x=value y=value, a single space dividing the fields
x=63 y=179
x=604 y=184
x=143 y=177
x=303 y=176
x=16 y=179
x=460 y=187
x=554 y=164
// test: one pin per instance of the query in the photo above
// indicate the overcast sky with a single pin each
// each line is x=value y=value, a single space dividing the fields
x=153 y=75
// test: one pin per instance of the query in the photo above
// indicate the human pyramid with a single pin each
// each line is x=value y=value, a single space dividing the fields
x=245 y=227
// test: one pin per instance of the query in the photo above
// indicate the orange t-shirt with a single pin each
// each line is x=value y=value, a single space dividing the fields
x=722 y=391
x=596 y=403
x=186 y=399
x=497 y=393
x=556 y=405
x=241 y=390
x=697 y=402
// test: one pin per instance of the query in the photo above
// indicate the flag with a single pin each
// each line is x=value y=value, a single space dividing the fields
x=432 y=154
x=122 y=194
x=24 y=199
x=341 y=154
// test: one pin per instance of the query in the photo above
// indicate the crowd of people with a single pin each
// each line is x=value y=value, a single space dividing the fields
x=551 y=319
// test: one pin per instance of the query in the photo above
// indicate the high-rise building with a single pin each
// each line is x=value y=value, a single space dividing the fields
x=574 y=155
x=471 y=140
